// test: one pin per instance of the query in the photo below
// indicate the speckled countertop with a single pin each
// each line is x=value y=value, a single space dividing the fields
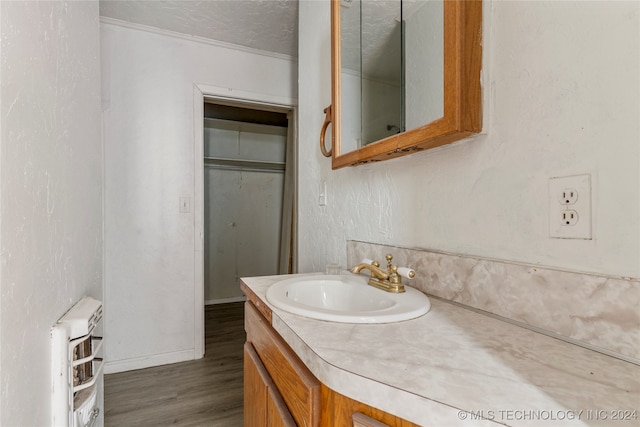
x=456 y=367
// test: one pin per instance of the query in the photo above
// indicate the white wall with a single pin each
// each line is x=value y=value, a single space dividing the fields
x=562 y=93
x=148 y=99
x=51 y=190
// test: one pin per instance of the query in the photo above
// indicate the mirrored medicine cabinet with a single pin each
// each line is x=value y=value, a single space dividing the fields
x=405 y=77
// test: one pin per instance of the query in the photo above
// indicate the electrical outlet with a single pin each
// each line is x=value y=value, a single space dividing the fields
x=570 y=207
x=569 y=217
x=569 y=196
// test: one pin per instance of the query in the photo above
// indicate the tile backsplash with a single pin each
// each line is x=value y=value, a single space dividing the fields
x=600 y=312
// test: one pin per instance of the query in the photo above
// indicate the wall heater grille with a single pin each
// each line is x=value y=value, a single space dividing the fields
x=76 y=367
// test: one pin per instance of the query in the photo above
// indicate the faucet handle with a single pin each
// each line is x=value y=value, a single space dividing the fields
x=389 y=257
x=370 y=262
x=407 y=272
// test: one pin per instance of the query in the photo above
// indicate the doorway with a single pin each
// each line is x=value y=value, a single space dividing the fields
x=246 y=231
x=206 y=94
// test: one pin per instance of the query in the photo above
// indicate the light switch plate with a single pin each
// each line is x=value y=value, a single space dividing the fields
x=185 y=204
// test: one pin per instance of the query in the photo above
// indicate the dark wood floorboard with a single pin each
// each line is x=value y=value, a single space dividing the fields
x=205 y=392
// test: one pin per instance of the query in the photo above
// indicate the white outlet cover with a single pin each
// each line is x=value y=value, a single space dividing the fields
x=582 y=229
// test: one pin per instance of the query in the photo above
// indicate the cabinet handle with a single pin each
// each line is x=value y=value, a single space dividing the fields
x=323 y=132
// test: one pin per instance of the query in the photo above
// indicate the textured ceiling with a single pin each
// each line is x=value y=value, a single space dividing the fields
x=270 y=25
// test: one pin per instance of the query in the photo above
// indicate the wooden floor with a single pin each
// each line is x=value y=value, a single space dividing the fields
x=205 y=392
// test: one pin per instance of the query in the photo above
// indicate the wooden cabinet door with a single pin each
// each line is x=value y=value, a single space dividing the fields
x=277 y=412
x=255 y=389
x=299 y=389
x=263 y=405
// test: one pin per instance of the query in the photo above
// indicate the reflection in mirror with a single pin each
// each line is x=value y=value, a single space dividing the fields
x=392 y=67
x=371 y=70
x=424 y=62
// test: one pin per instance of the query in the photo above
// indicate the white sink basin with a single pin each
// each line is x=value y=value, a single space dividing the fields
x=346 y=299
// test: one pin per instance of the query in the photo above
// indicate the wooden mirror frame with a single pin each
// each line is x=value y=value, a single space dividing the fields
x=462 y=91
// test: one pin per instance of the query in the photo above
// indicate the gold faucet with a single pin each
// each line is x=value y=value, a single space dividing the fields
x=388 y=280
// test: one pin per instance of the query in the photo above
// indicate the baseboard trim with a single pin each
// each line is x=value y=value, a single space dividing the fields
x=225 y=300
x=124 y=365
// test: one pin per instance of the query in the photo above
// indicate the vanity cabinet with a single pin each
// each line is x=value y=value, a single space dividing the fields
x=279 y=390
x=286 y=376
x=264 y=406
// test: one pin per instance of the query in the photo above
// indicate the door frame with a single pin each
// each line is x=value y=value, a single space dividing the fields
x=239 y=98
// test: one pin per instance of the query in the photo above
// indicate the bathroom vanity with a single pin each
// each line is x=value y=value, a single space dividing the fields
x=450 y=367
